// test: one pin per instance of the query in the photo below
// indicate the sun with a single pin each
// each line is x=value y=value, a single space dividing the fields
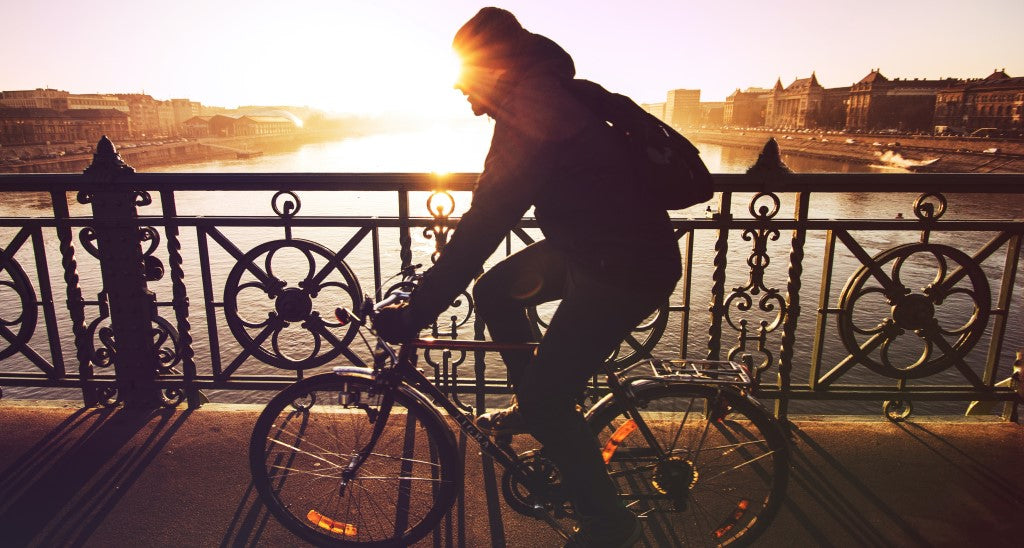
x=392 y=76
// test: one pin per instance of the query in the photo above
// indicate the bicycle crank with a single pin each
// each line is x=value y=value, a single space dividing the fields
x=536 y=489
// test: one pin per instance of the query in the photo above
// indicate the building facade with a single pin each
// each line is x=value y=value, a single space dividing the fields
x=797 y=106
x=877 y=103
x=238 y=126
x=682 y=108
x=746 y=108
x=995 y=102
x=38 y=126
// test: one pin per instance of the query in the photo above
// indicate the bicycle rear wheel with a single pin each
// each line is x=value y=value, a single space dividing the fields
x=722 y=469
x=310 y=432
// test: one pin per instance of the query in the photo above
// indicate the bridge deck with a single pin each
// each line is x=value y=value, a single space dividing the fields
x=88 y=477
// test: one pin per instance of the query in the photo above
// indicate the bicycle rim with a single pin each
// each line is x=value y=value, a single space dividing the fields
x=724 y=470
x=309 y=433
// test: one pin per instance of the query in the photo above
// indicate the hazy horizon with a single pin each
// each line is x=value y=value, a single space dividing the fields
x=360 y=58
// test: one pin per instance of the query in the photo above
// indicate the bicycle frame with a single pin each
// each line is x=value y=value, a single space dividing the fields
x=404 y=371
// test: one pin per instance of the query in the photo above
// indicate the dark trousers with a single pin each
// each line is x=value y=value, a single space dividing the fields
x=595 y=315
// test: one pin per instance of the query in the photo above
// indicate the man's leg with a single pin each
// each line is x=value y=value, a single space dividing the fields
x=527 y=278
x=591 y=321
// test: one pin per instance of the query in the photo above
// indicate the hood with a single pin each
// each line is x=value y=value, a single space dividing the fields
x=537 y=53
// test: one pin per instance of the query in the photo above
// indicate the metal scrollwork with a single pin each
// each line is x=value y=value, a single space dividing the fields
x=281 y=309
x=441 y=229
x=930 y=206
x=941 y=321
x=286 y=204
x=897 y=410
x=165 y=340
x=142 y=198
x=152 y=267
x=88 y=238
x=755 y=293
x=17 y=323
x=108 y=396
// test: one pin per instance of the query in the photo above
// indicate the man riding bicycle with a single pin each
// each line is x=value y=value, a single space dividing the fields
x=609 y=253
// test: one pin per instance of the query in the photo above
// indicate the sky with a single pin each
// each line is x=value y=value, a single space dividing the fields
x=378 y=56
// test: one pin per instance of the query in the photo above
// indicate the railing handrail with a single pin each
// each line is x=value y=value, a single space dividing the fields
x=984 y=183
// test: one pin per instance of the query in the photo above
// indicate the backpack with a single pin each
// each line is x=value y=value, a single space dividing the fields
x=667 y=163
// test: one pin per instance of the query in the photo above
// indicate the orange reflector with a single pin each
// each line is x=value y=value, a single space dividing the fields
x=324 y=522
x=620 y=434
x=731 y=521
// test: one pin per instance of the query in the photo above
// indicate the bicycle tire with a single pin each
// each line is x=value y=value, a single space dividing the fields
x=305 y=438
x=726 y=469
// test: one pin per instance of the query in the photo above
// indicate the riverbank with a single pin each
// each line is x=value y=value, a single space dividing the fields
x=911 y=152
x=148 y=155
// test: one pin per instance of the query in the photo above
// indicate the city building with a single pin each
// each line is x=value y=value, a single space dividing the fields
x=805 y=104
x=43 y=126
x=238 y=126
x=144 y=115
x=35 y=98
x=196 y=126
x=746 y=108
x=712 y=113
x=656 y=109
x=95 y=101
x=993 y=103
x=796 y=106
x=877 y=103
x=682 y=108
x=184 y=109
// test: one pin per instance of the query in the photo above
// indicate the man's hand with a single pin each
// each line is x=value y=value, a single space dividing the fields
x=394 y=323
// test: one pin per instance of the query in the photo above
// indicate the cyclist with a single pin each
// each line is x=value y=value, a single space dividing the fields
x=609 y=254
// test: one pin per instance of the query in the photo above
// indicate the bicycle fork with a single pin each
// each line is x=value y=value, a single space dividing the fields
x=379 y=420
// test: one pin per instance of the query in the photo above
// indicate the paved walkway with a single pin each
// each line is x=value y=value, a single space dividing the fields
x=99 y=478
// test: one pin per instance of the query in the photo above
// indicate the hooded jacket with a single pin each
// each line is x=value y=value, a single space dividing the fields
x=548 y=151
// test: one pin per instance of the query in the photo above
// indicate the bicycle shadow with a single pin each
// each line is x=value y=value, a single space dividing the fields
x=58 y=492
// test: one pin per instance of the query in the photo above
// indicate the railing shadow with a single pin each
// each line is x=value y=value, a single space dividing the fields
x=60 y=490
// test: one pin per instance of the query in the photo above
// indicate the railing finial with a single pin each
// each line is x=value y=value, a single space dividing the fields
x=106 y=160
x=770 y=161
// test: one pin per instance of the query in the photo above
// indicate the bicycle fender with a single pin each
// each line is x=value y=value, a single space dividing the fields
x=355 y=371
x=606 y=400
x=366 y=373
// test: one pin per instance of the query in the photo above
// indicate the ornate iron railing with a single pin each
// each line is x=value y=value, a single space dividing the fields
x=867 y=307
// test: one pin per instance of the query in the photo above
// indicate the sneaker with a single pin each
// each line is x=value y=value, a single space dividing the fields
x=503 y=422
x=606 y=533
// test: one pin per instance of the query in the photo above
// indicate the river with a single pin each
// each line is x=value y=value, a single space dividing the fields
x=462 y=149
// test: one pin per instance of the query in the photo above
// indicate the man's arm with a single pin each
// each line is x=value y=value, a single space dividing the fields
x=516 y=166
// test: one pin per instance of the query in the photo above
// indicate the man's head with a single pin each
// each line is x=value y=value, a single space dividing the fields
x=487 y=45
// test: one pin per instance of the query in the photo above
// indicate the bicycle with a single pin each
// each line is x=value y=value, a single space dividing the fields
x=366 y=456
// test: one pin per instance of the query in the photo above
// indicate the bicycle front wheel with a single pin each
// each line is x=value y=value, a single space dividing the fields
x=710 y=470
x=311 y=432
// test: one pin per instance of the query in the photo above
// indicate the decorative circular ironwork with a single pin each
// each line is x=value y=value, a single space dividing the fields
x=18 y=321
x=287 y=208
x=440 y=210
x=958 y=293
x=281 y=309
x=764 y=212
x=172 y=397
x=927 y=210
x=897 y=410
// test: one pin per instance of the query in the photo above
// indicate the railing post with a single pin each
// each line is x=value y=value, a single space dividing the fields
x=119 y=242
x=770 y=168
